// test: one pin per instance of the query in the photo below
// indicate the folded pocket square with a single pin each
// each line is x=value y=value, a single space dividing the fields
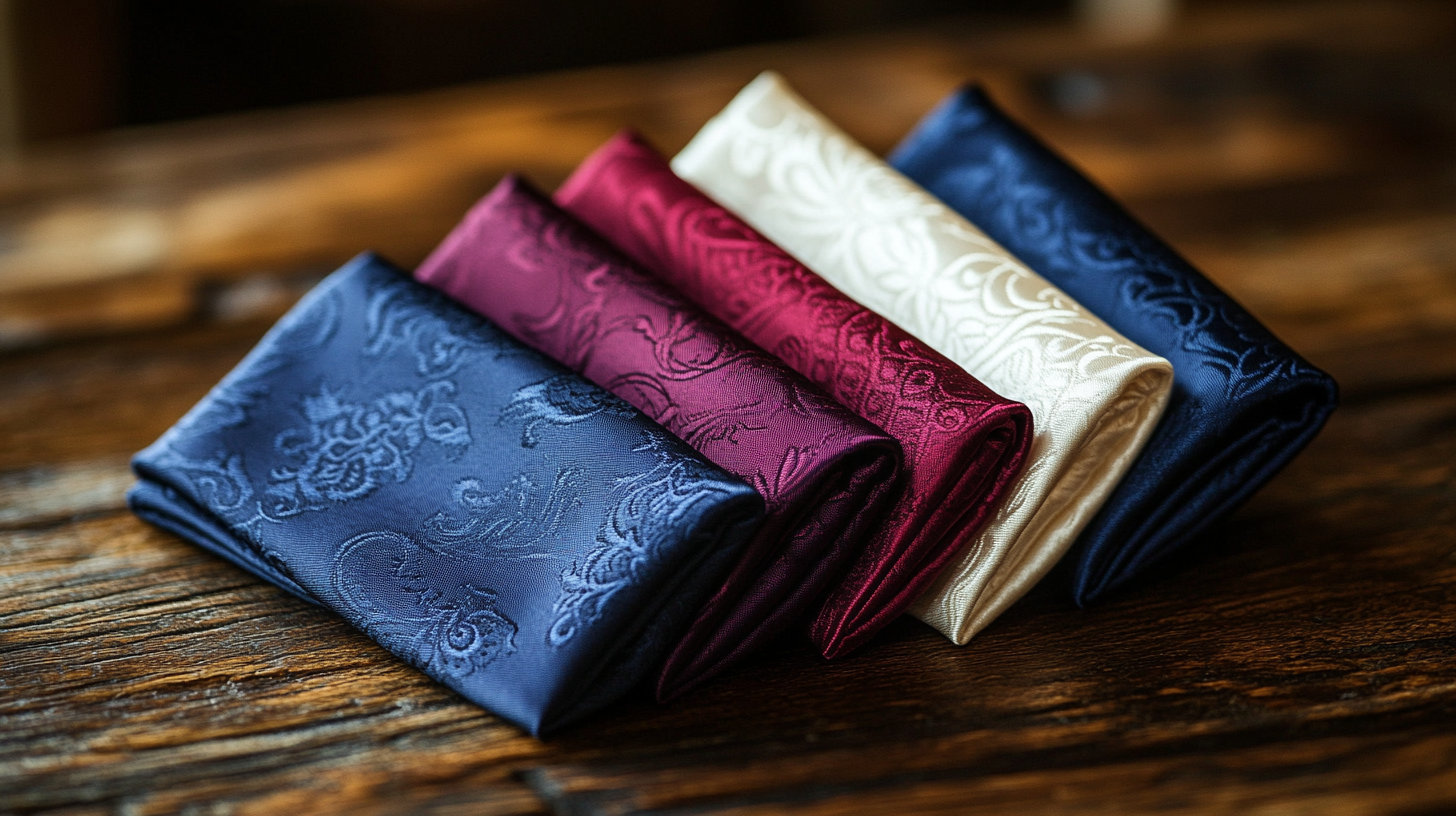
x=510 y=529
x=826 y=475
x=888 y=244
x=964 y=445
x=1243 y=403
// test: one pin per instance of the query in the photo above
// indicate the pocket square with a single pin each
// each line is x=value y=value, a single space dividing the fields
x=1243 y=403
x=513 y=531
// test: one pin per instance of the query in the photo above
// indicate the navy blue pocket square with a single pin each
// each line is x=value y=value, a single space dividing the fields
x=1243 y=403
x=507 y=527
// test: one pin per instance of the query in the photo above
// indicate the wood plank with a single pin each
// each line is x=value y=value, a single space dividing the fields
x=1319 y=615
x=110 y=398
x=1416 y=770
x=51 y=493
x=1300 y=661
x=179 y=677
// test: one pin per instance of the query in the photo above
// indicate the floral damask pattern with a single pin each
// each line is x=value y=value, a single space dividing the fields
x=347 y=450
x=848 y=216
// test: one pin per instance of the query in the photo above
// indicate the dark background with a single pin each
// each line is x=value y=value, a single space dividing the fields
x=84 y=65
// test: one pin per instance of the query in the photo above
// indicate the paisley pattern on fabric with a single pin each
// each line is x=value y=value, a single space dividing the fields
x=558 y=402
x=651 y=502
x=552 y=283
x=515 y=519
x=347 y=451
x=963 y=444
x=220 y=483
x=1042 y=224
x=1095 y=395
x=630 y=535
x=1243 y=403
x=452 y=630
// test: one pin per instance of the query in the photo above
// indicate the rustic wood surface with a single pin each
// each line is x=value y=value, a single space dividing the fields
x=1304 y=661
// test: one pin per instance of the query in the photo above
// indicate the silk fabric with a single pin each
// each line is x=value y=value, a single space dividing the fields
x=1095 y=395
x=1243 y=403
x=964 y=445
x=826 y=475
x=508 y=528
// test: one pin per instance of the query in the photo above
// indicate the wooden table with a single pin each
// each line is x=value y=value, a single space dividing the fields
x=1303 y=661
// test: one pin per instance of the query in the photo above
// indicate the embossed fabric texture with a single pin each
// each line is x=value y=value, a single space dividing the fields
x=826 y=475
x=1243 y=403
x=964 y=444
x=510 y=529
x=895 y=248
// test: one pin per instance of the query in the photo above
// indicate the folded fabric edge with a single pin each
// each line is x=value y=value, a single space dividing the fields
x=881 y=475
x=150 y=502
x=690 y=159
x=1005 y=577
x=839 y=635
x=719 y=540
x=589 y=171
x=1308 y=404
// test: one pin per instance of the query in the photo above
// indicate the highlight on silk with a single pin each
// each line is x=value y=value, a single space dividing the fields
x=816 y=407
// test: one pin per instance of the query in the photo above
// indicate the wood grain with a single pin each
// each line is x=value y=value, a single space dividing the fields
x=1302 y=661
